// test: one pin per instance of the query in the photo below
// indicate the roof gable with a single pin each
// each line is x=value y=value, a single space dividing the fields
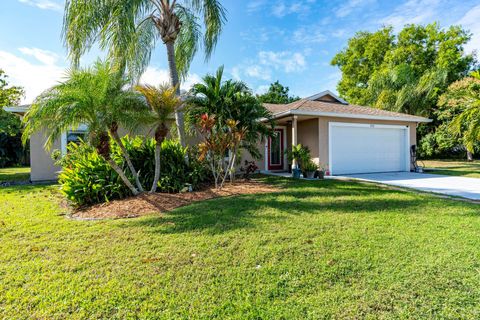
x=327 y=96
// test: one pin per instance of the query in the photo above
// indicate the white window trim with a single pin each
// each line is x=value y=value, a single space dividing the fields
x=63 y=138
x=369 y=125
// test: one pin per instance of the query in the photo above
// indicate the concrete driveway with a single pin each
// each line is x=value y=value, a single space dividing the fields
x=454 y=186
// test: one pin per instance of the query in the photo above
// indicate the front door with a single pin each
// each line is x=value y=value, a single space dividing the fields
x=276 y=150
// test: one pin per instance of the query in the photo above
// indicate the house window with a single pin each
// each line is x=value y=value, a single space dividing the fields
x=75 y=136
x=72 y=136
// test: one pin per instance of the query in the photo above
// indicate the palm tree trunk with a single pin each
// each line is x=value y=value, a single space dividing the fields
x=122 y=175
x=125 y=154
x=158 y=150
x=174 y=80
x=160 y=134
x=103 y=149
x=469 y=156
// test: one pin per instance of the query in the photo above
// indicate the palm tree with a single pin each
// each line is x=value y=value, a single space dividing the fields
x=162 y=101
x=399 y=89
x=229 y=99
x=129 y=29
x=93 y=97
x=462 y=101
x=229 y=102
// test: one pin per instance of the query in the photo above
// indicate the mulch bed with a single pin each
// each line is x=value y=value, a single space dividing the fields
x=146 y=204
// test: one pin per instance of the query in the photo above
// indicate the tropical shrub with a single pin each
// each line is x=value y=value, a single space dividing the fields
x=225 y=114
x=88 y=179
x=299 y=153
x=248 y=169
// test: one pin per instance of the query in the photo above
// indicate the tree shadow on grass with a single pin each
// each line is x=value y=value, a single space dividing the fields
x=220 y=215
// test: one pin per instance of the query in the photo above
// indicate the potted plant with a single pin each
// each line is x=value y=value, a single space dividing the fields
x=310 y=167
x=298 y=153
x=321 y=172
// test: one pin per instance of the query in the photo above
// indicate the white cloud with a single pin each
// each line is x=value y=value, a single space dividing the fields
x=308 y=35
x=349 y=6
x=44 y=56
x=255 y=5
x=236 y=73
x=266 y=62
x=284 y=60
x=44 y=4
x=332 y=80
x=262 y=89
x=262 y=35
x=34 y=78
x=259 y=72
x=471 y=21
x=281 y=9
x=156 y=76
x=339 y=33
x=413 y=12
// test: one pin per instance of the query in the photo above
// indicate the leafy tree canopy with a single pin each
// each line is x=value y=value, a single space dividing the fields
x=9 y=96
x=277 y=93
x=405 y=72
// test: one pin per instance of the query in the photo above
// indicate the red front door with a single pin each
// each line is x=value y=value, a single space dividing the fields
x=276 y=150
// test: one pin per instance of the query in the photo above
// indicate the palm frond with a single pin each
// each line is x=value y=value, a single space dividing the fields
x=188 y=41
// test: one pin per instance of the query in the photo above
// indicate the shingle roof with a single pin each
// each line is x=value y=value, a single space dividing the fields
x=310 y=107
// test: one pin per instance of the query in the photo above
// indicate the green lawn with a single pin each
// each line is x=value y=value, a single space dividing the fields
x=453 y=168
x=14 y=174
x=317 y=249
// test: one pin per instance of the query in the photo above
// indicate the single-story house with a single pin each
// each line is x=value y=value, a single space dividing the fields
x=342 y=138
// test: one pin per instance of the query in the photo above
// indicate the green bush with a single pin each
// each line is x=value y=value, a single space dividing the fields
x=87 y=179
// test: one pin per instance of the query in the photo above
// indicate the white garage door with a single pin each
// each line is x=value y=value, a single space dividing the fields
x=365 y=148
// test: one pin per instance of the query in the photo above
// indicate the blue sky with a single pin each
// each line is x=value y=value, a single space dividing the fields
x=263 y=41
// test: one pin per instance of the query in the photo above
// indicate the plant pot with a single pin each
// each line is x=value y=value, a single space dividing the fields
x=310 y=174
x=296 y=173
x=321 y=175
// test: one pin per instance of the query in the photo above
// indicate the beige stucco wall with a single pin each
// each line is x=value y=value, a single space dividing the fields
x=323 y=132
x=308 y=135
x=312 y=133
x=41 y=163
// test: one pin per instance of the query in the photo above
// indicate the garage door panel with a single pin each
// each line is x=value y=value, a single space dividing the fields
x=364 y=149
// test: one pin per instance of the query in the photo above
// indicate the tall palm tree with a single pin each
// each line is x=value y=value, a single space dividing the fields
x=94 y=97
x=129 y=29
x=162 y=101
x=229 y=99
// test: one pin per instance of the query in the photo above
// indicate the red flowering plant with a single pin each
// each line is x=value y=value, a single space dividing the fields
x=220 y=146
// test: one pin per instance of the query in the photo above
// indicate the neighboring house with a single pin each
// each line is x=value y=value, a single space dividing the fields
x=342 y=138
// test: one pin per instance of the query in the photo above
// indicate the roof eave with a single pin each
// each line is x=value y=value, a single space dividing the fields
x=19 y=110
x=348 y=116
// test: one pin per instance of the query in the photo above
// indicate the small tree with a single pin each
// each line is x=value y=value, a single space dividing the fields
x=11 y=150
x=93 y=97
x=278 y=94
x=230 y=100
x=163 y=102
x=220 y=143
